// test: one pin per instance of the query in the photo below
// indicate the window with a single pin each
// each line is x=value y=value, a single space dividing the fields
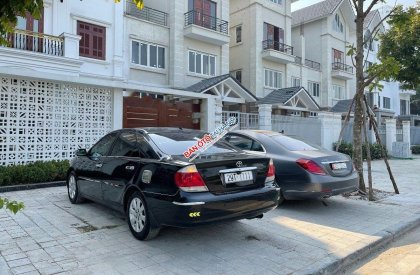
x=313 y=114
x=337 y=25
x=403 y=107
x=387 y=102
x=295 y=113
x=237 y=75
x=338 y=91
x=338 y=56
x=295 y=81
x=201 y=63
x=148 y=55
x=175 y=144
x=278 y=2
x=92 y=44
x=274 y=35
x=313 y=88
x=379 y=101
x=272 y=79
x=132 y=144
x=126 y=145
x=101 y=148
x=244 y=143
x=238 y=34
x=368 y=65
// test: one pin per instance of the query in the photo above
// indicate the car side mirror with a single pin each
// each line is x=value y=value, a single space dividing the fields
x=81 y=153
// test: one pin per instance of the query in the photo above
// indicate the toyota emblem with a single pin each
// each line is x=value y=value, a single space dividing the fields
x=239 y=164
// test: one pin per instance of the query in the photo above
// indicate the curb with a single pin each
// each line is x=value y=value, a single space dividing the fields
x=334 y=265
x=30 y=186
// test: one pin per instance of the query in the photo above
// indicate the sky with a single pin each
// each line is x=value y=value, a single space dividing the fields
x=304 y=3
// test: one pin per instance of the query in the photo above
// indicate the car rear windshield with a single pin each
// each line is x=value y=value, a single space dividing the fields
x=177 y=142
x=293 y=144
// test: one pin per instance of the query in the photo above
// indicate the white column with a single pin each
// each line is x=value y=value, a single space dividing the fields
x=391 y=133
x=406 y=128
x=117 y=109
x=330 y=129
x=264 y=118
x=218 y=109
x=207 y=118
x=71 y=45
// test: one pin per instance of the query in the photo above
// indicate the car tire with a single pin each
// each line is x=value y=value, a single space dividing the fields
x=73 y=189
x=139 y=219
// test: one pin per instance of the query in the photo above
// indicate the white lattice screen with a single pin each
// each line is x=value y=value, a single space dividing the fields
x=42 y=120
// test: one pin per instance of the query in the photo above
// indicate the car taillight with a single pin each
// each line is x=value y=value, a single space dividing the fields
x=311 y=166
x=188 y=179
x=271 y=173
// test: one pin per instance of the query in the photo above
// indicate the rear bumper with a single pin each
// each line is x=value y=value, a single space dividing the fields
x=193 y=209
x=330 y=187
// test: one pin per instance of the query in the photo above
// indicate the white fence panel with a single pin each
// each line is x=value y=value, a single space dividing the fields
x=43 y=120
x=301 y=127
x=245 y=120
x=415 y=135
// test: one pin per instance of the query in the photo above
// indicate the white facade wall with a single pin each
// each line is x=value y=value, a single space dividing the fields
x=319 y=40
x=391 y=89
x=247 y=55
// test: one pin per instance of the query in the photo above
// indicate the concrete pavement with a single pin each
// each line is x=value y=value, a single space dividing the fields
x=401 y=257
x=53 y=236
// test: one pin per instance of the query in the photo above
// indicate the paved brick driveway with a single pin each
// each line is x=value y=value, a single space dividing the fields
x=53 y=236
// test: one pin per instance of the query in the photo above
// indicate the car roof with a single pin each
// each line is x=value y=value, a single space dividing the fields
x=157 y=130
x=258 y=132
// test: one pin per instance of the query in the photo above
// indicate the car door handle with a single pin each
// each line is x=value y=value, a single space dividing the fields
x=130 y=167
x=98 y=165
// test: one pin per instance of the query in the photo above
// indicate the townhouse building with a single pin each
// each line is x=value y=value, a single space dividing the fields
x=273 y=49
x=88 y=67
x=391 y=101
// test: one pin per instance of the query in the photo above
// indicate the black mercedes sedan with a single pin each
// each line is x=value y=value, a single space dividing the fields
x=303 y=170
x=145 y=174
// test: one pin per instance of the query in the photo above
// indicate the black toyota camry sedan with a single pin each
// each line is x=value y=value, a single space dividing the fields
x=303 y=170
x=145 y=174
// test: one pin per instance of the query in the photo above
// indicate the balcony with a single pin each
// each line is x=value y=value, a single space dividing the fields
x=36 y=42
x=342 y=71
x=206 y=28
x=148 y=14
x=313 y=64
x=277 y=52
x=31 y=53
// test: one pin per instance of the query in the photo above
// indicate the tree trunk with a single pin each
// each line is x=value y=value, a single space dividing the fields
x=358 y=111
x=368 y=155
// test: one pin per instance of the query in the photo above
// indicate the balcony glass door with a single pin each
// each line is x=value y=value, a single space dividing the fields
x=205 y=13
x=31 y=40
x=274 y=37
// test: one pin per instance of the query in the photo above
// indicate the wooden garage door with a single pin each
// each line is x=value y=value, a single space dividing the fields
x=149 y=112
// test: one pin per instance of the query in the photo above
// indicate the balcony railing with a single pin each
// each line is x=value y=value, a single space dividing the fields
x=196 y=17
x=36 y=42
x=277 y=46
x=298 y=60
x=338 y=66
x=313 y=64
x=148 y=14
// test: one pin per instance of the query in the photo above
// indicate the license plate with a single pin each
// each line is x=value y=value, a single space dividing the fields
x=237 y=177
x=339 y=166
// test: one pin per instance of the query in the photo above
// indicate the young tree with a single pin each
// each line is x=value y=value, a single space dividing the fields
x=402 y=42
x=364 y=79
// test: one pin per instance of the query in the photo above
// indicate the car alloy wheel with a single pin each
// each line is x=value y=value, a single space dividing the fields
x=139 y=218
x=73 y=189
x=137 y=215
